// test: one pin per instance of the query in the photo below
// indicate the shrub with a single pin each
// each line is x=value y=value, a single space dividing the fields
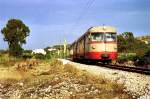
x=39 y=56
x=27 y=55
x=53 y=54
x=49 y=55
x=142 y=60
x=146 y=57
x=126 y=57
x=122 y=59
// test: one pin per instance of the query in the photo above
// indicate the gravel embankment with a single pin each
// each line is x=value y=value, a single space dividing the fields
x=136 y=84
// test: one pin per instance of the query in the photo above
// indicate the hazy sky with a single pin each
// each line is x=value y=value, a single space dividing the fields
x=52 y=21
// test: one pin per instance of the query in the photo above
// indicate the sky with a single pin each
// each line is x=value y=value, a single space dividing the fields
x=52 y=21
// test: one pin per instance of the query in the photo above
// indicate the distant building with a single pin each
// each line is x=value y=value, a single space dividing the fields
x=51 y=49
x=39 y=51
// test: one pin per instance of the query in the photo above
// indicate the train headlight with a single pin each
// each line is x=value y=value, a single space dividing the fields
x=93 y=47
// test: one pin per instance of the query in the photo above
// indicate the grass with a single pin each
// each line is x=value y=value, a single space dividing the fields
x=8 y=68
x=7 y=61
x=53 y=72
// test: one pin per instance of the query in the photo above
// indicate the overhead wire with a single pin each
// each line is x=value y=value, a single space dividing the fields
x=81 y=15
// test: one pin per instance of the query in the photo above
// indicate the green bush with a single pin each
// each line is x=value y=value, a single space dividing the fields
x=49 y=55
x=126 y=57
x=39 y=56
x=27 y=55
x=146 y=57
x=122 y=59
x=142 y=60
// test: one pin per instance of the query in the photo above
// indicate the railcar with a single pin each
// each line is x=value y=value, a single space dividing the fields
x=99 y=44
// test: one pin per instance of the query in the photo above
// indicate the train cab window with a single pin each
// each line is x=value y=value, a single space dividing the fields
x=110 y=37
x=96 y=36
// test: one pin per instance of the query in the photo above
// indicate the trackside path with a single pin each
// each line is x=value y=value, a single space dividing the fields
x=136 y=84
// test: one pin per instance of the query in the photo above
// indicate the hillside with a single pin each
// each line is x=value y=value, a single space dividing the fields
x=144 y=38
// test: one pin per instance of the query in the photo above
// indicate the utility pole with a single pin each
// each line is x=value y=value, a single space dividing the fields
x=65 y=48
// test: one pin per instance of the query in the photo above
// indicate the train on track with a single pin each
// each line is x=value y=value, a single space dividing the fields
x=98 y=44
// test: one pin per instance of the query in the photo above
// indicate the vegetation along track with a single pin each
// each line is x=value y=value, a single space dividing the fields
x=129 y=69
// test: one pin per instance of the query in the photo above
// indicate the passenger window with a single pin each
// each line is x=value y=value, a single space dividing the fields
x=110 y=37
x=97 y=37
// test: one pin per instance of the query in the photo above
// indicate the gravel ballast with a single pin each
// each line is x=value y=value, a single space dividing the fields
x=138 y=85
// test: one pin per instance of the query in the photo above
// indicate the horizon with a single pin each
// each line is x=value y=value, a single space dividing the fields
x=50 y=22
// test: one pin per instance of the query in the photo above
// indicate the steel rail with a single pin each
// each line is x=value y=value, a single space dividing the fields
x=124 y=68
x=129 y=69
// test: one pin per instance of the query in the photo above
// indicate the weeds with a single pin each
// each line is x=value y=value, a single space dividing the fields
x=100 y=83
x=53 y=79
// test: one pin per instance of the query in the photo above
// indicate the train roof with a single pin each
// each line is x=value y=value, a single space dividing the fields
x=97 y=29
x=102 y=29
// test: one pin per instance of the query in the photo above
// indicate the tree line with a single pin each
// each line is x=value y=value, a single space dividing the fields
x=127 y=43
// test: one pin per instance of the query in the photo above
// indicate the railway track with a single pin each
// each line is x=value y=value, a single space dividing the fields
x=129 y=69
x=124 y=68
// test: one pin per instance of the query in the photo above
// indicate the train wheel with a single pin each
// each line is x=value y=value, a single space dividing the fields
x=106 y=62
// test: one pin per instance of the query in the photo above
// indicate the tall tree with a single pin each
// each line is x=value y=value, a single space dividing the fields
x=15 y=33
x=125 y=42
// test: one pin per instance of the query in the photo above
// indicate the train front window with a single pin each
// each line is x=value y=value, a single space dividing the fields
x=97 y=36
x=110 y=36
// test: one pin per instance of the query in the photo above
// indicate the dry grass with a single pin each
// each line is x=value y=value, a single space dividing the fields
x=13 y=74
x=7 y=61
x=53 y=73
x=108 y=89
x=14 y=68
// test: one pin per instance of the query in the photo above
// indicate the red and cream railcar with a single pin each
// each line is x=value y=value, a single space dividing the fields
x=97 y=44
